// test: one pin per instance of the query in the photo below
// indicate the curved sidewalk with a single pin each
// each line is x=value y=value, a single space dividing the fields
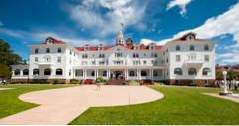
x=61 y=106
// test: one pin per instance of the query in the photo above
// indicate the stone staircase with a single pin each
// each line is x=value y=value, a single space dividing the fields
x=117 y=82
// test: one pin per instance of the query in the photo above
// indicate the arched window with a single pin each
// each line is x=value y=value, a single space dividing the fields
x=143 y=73
x=25 y=72
x=59 y=71
x=192 y=71
x=17 y=72
x=92 y=73
x=178 y=71
x=131 y=73
x=36 y=72
x=47 y=71
x=206 y=71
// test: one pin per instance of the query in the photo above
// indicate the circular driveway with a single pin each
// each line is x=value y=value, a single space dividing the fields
x=61 y=106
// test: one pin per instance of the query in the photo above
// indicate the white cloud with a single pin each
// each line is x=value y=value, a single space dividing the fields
x=226 y=23
x=105 y=23
x=182 y=4
x=148 y=41
x=38 y=36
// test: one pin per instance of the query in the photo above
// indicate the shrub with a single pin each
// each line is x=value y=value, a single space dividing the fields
x=74 y=81
x=133 y=82
x=100 y=80
x=56 y=81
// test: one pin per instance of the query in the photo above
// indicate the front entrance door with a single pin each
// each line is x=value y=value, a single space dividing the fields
x=117 y=75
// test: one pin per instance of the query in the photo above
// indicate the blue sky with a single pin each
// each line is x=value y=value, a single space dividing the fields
x=97 y=21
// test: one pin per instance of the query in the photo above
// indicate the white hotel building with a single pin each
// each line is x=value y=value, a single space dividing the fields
x=186 y=60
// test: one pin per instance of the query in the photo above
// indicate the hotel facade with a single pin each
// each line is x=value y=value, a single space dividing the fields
x=186 y=60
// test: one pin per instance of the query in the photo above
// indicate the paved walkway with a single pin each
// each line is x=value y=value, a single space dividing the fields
x=231 y=98
x=61 y=106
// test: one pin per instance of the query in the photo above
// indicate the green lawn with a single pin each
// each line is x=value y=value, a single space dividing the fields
x=181 y=105
x=9 y=102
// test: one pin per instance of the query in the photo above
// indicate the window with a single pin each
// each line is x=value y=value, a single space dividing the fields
x=206 y=58
x=192 y=71
x=93 y=62
x=25 y=72
x=59 y=59
x=47 y=71
x=17 y=72
x=92 y=73
x=143 y=73
x=47 y=50
x=58 y=71
x=118 y=62
x=155 y=73
x=84 y=56
x=178 y=48
x=118 y=55
x=135 y=55
x=145 y=62
x=36 y=59
x=154 y=55
x=59 y=50
x=70 y=52
x=36 y=71
x=102 y=56
x=178 y=71
x=206 y=48
x=104 y=73
x=36 y=51
x=178 y=58
x=191 y=48
x=131 y=73
x=101 y=62
x=206 y=71
x=136 y=62
x=79 y=73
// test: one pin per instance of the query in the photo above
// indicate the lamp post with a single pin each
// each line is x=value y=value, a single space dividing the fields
x=225 y=81
x=225 y=91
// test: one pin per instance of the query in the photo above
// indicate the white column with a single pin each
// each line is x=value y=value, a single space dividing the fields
x=127 y=74
x=84 y=73
x=151 y=74
x=97 y=73
x=108 y=73
x=21 y=72
x=138 y=74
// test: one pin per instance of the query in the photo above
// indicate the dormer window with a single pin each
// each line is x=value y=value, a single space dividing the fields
x=86 y=47
x=49 y=41
x=136 y=47
x=100 y=47
x=191 y=48
x=47 y=50
x=206 y=48
x=36 y=51
x=191 y=37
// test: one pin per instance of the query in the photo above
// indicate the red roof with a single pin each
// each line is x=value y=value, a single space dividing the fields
x=131 y=47
x=184 y=37
x=53 y=41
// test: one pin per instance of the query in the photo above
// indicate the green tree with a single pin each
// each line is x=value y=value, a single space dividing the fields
x=7 y=56
x=4 y=71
